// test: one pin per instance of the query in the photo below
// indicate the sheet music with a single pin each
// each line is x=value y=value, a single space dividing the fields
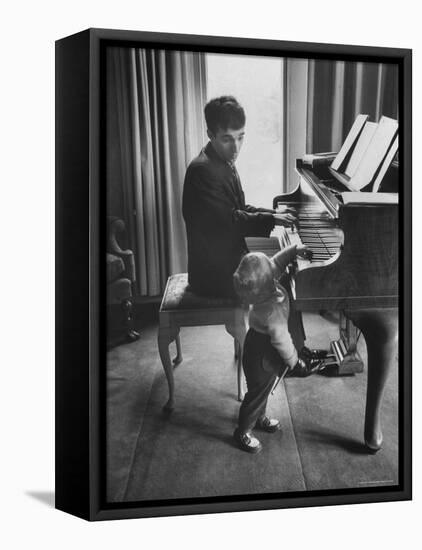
x=375 y=153
x=386 y=164
x=361 y=146
x=350 y=140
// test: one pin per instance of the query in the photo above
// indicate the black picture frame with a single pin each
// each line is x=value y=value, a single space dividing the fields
x=80 y=316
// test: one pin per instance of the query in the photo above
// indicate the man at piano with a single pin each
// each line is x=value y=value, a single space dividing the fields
x=216 y=216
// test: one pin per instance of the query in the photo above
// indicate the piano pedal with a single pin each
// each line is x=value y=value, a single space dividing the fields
x=346 y=358
x=329 y=369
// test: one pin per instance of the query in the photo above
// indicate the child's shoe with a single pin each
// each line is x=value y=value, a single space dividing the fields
x=269 y=425
x=247 y=442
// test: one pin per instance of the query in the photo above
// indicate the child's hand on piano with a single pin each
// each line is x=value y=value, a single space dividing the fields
x=304 y=252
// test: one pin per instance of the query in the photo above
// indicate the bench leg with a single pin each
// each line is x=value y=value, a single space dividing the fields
x=236 y=349
x=237 y=329
x=165 y=337
x=179 y=357
x=240 y=393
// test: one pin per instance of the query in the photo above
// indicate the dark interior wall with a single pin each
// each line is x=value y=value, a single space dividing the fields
x=339 y=95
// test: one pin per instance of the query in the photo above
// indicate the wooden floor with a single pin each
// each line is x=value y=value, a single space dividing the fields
x=191 y=453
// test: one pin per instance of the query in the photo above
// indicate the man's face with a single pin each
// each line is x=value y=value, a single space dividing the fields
x=227 y=143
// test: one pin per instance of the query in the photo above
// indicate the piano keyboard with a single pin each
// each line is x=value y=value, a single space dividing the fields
x=316 y=230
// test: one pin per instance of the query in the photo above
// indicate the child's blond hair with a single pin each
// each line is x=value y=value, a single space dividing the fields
x=253 y=280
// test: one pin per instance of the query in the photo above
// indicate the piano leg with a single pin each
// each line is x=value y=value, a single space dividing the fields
x=379 y=327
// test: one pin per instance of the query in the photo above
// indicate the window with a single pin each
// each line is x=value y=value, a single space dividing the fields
x=256 y=82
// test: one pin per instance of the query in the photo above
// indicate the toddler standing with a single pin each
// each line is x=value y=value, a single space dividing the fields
x=268 y=347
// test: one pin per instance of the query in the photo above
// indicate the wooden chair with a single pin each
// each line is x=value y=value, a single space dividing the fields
x=120 y=272
x=180 y=307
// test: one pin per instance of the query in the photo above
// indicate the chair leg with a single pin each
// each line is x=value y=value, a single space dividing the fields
x=165 y=337
x=131 y=334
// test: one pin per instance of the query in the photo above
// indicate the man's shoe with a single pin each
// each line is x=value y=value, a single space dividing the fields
x=311 y=354
x=247 y=442
x=302 y=369
x=269 y=425
x=310 y=361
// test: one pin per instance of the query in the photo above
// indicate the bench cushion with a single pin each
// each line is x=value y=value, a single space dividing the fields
x=178 y=296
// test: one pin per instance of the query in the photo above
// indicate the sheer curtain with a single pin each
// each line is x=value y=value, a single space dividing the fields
x=154 y=128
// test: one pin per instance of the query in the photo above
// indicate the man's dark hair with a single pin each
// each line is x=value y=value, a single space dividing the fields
x=224 y=112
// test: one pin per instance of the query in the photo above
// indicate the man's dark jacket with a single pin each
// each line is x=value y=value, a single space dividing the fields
x=217 y=222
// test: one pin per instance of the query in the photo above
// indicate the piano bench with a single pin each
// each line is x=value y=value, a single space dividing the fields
x=180 y=307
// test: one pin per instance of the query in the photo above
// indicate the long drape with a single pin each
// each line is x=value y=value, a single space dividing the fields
x=338 y=91
x=155 y=128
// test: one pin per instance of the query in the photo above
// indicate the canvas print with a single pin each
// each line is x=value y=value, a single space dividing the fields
x=251 y=213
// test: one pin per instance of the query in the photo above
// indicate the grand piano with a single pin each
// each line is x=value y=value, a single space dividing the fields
x=354 y=268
